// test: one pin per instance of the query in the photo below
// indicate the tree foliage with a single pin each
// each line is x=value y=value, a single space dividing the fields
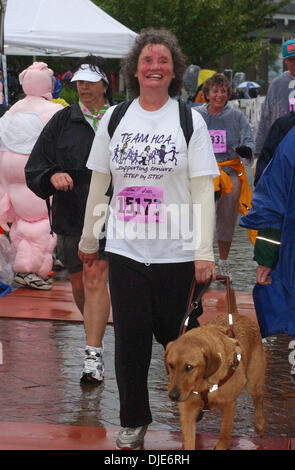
x=206 y=29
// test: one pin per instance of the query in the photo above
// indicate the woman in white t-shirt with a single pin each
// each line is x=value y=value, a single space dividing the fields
x=156 y=242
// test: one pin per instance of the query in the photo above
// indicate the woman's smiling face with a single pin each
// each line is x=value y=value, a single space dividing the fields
x=155 y=68
x=218 y=96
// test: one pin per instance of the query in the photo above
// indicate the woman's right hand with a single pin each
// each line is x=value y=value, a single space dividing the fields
x=62 y=181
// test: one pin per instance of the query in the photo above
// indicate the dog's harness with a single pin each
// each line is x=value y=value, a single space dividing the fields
x=193 y=305
x=231 y=371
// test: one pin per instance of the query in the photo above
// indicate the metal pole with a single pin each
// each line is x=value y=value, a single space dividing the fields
x=4 y=66
x=2 y=12
x=3 y=57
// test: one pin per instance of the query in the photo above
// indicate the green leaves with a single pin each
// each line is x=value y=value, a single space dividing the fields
x=206 y=29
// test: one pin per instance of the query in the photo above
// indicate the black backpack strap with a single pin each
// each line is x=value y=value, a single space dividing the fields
x=117 y=115
x=186 y=120
x=185 y=114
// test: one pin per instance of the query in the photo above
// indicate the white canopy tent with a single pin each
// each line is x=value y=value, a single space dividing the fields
x=63 y=28
x=70 y=28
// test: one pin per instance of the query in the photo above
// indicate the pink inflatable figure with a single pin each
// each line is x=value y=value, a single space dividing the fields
x=20 y=127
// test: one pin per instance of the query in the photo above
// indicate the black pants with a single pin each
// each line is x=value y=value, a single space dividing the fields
x=146 y=300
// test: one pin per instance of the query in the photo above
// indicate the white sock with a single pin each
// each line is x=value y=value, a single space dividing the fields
x=223 y=261
x=95 y=349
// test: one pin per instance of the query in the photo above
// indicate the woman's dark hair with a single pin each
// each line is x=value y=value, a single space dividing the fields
x=154 y=36
x=218 y=79
x=97 y=61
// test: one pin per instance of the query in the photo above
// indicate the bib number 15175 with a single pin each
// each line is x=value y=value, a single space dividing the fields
x=140 y=204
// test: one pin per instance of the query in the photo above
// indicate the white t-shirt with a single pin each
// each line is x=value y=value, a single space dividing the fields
x=151 y=214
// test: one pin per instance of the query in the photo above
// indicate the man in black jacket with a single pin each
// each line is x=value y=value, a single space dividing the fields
x=57 y=168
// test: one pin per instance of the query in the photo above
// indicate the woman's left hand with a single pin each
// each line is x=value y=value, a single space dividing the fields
x=204 y=270
x=87 y=258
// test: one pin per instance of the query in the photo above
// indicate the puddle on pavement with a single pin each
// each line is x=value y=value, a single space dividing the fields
x=41 y=369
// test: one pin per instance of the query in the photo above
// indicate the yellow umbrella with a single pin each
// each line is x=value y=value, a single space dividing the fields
x=204 y=74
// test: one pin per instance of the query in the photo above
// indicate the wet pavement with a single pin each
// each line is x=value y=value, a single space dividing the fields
x=39 y=383
x=42 y=359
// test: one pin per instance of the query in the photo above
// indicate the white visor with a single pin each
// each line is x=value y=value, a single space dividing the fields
x=88 y=74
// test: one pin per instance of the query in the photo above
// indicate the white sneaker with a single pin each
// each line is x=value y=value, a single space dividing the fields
x=131 y=438
x=93 y=368
x=33 y=281
x=224 y=268
x=292 y=371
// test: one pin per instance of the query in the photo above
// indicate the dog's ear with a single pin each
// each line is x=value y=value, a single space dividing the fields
x=213 y=362
x=165 y=355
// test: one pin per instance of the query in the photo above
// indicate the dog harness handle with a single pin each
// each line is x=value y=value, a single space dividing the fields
x=230 y=331
x=193 y=304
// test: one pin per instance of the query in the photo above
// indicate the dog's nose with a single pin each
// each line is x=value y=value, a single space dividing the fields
x=174 y=394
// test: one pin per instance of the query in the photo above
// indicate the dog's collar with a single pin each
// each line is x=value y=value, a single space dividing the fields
x=232 y=369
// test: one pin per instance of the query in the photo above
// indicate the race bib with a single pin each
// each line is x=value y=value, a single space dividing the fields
x=292 y=104
x=140 y=204
x=218 y=138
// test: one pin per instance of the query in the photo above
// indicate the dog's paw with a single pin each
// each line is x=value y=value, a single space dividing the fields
x=222 y=445
x=260 y=428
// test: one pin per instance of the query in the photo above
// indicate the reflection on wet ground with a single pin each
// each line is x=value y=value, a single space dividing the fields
x=39 y=378
x=42 y=385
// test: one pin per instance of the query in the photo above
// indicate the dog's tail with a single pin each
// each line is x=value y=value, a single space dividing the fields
x=231 y=302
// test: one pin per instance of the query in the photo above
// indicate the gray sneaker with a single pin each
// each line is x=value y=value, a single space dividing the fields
x=131 y=438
